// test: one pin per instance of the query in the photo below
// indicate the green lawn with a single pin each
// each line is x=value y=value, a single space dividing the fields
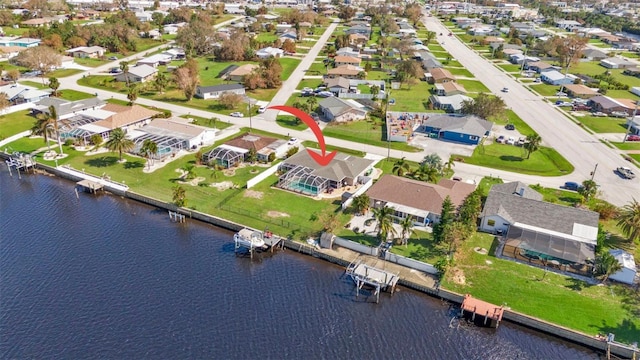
x=91 y=62
x=513 y=118
x=636 y=157
x=603 y=124
x=28 y=145
x=290 y=122
x=512 y=68
x=365 y=132
x=622 y=94
x=15 y=123
x=316 y=69
x=486 y=183
x=629 y=145
x=544 y=162
x=266 y=37
x=411 y=99
x=545 y=89
x=146 y=44
x=473 y=86
x=73 y=95
x=35 y=84
x=212 y=122
x=310 y=83
x=551 y=297
x=60 y=73
x=558 y=196
x=460 y=72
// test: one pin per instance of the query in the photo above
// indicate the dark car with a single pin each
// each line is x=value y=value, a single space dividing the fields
x=570 y=185
x=510 y=127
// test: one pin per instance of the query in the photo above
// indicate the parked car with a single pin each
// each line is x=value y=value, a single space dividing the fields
x=262 y=109
x=113 y=58
x=560 y=93
x=626 y=172
x=570 y=185
x=510 y=127
x=599 y=114
x=505 y=89
x=501 y=139
x=619 y=114
x=581 y=107
x=537 y=80
x=236 y=114
x=563 y=103
x=633 y=137
x=115 y=70
x=511 y=141
x=324 y=94
x=292 y=141
x=521 y=141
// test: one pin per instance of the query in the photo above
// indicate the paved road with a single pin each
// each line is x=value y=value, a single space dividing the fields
x=582 y=149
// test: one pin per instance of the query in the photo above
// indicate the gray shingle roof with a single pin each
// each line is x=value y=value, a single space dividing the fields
x=335 y=105
x=342 y=166
x=531 y=210
x=470 y=125
x=223 y=87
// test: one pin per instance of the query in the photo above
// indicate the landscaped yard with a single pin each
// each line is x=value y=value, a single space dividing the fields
x=546 y=295
x=411 y=99
x=73 y=95
x=460 y=72
x=512 y=68
x=603 y=124
x=473 y=86
x=544 y=162
x=60 y=73
x=365 y=132
x=629 y=145
x=14 y=123
x=545 y=89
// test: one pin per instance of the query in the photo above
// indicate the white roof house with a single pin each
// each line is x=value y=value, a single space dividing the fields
x=628 y=273
x=268 y=52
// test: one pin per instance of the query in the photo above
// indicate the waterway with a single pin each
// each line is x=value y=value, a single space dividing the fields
x=104 y=277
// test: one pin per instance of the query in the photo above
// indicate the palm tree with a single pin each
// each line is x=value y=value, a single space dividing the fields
x=124 y=67
x=629 y=220
x=407 y=229
x=434 y=160
x=588 y=190
x=161 y=81
x=54 y=84
x=189 y=172
x=179 y=196
x=450 y=163
x=606 y=265
x=400 y=167
x=47 y=126
x=149 y=149
x=427 y=173
x=132 y=94
x=384 y=223
x=118 y=142
x=361 y=203
x=532 y=144
x=96 y=140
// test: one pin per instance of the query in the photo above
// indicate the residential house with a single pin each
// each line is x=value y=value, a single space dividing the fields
x=540 y=66
x=9 y=52
x=175 y=53
x=268 y=52
x=632 y=71
x=347 y=51
x=23 y=42
x=609 y=105
x=450 y=104
x=359 y=29
x=429 y=61
x=104 y=120
x=140 y=73
x=462 y=129
x=144 y=16
x=156 y=60
x=20 y=94
x=37 y=22
x=616 y=63
x=346 y=71
x=282 y=28
x=171 y=136
x=358 y=39
x=336 y=109
x=555 y=77
x=235 y=151
x=86 y=52
x=628 y=271
x=520 y=58
x=580 y=91
x=567 y=24
x=418 y=200
x=338 y=85
x=289 y=35
x=302 y=174
x=347 y=60
x=449 y=88
x=440 y=75
x=214 y=92
x=538 y=232
x=593 y=54
x=240 y=72
x=66 y=109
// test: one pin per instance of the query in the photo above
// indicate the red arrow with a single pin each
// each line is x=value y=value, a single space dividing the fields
x=323 y=159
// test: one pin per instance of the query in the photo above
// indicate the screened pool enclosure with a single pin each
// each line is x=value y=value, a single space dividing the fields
x=300 y=179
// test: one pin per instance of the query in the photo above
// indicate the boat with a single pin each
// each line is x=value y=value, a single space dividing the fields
x=249 y=238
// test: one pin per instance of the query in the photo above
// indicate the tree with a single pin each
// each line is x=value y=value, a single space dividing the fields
x=196 y=37
x=312 y=103
x=289 y=46
x=179 y=196
x=46 y=125
x=427 y=173
x=375 y=89
x=234 y=48
x=118 y=142
x=384 y=223
x=149 y=149
x=161 y=81
x=132 y=94
x=124 y=67
x=447 y=216
x=450 y=163
x=188 y=172
x=54 y=84
x=532 y=144
x=229 y=100
x=470 y=209
x=252 y=155
x=607 y=265
x=413 y=12
x=361 y=203
x=569 y=49
x=346 y=12
x=400 y=167
x=13 y=75
x=484 y=106
x=407 y=229
x=588 y=190
x=187 y=78
x=434 y=160
x=4 y=102
x=629 y=220
x=41 y=58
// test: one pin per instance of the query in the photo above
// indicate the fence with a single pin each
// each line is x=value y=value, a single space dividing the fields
x=351 y=245
x=414 y=264
x=359 y=192
x=263 y=175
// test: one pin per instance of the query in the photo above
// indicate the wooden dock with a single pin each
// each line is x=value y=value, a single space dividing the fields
x=489 y=315
x=377 y=279
x=90 y=186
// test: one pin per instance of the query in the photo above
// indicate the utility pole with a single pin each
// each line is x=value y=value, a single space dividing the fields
x=593 y=173
x=630 y=122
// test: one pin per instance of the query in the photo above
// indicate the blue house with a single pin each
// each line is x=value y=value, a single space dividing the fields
x=462 y=129
x=555 y=77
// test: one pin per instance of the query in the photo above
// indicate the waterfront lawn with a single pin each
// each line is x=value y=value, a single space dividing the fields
x=421 y=247
x=365 y=132
x=29 y=145
x=544 y=162
x=473 y=86
x=559 y=299
x=14 y=123
x=603 y=124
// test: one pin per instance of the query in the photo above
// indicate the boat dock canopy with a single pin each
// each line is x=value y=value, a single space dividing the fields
x=89 y=185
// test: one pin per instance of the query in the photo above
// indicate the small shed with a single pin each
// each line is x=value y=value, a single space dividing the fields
x=628 y=273
x=326 y=240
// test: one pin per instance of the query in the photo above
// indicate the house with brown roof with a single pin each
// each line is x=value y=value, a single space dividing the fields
x=237 y=150
x=346 y=71
x=439 y=76
x=450 y=88
x=580 y=91
x=37 y=22
x=609 y=105
x=347 y=60
x=240 y=72
x=105 y=119
x=358 y=39
x=540 y=66
x=125 y=117
x=419 y=200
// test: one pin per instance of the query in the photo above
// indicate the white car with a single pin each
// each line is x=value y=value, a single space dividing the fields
x=236 y=114
x=626 y=172
x=292 y=141
x=262 y=109
x=560 y=93
x=511 y=141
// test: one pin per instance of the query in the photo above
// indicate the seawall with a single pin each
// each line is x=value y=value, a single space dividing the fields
x=616 y=349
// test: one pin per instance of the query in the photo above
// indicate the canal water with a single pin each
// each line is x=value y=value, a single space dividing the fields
x=105 y=277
